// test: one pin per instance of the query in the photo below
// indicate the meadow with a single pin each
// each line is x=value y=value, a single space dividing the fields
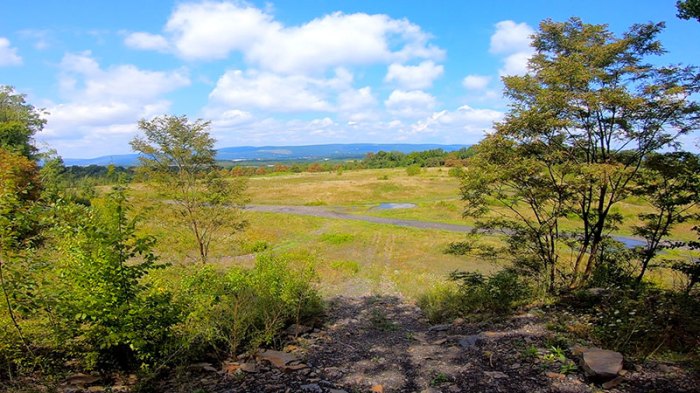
x=355 y=258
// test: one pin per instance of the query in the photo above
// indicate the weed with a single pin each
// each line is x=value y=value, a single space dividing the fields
x=336 y=238
x=439 y=379
x=381 y=322
x=350 y=267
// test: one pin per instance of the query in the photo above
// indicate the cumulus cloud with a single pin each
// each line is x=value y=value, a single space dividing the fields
x=476 y=82
x=466 y=122
x=272 y=92
x=146 y=41
x=103 y=105
x=409 y=104
x=512 y=41
x=8 y=54
x=213 y=30
x=357 y=105
x=420 y=76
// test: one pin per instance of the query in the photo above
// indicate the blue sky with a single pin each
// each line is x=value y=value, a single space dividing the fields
x=287 y=72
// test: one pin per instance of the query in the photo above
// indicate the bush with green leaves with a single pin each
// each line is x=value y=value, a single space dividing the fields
x=227 y=312
x=648 y=320
x=111 y=318
x=498 y=294
x=413 y=170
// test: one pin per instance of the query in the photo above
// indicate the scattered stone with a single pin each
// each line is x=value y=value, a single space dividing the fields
x=578 y=350
x=284 y=361
x=430 y=390
x=295 y=330
x=440 y=328
x=552 y=375
x=81 y=379
x=96 y=389
x=333 y=372
x=249 y=367
x=470 y=341
x=202 y=367
x=440 y=341
x=515 y=366
x=613 y=382
x=601 y=364
x=120 y=389
x=337 y=391
x=311 y=388
x=596 y=292
x=458 y=322
x=377 y=389
x=495 y=374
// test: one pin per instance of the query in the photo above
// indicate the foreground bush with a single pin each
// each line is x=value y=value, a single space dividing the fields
x=473 y=293
x=228 y=312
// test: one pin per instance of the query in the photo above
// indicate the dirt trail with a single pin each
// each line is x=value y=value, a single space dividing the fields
x=336 y=212
x=325 y=212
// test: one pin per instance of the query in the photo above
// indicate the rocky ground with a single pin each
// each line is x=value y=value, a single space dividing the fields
x=382 y=344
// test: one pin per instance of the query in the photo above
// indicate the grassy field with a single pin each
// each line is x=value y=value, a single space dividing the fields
x=351 y=257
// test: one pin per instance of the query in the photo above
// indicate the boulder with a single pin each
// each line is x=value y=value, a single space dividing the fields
x=601 y=364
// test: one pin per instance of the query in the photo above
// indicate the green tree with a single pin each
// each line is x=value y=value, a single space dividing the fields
x=19 y=228
x=179 y=157
x=19 y=121
x=688 y=9
x=580 y=125
x=671 y=184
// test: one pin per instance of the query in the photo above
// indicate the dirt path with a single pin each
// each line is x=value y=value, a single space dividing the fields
x=318 y=211
x=327 y=212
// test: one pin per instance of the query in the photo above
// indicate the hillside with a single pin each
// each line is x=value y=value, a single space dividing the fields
x=281 y=153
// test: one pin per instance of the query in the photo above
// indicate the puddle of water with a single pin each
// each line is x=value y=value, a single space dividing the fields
x=386 y=205
x=629 y=242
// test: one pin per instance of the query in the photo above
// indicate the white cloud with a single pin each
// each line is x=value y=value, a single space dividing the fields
x=146 y=41
x=8 y=54
x=466 y=123
x=476 y=82
x=512 y=40
x=409 y=104
x=213 y=30
x=515 y=64
x=358 y=105
x=511 y=37
x=102 y=106
x=124 y=82
x=420 y=76
x=271 y=92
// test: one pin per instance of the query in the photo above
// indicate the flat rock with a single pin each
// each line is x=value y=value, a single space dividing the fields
x=469 y=341
x=282 y=360
x=295 y=330
x=601 y=364
x=311 y=388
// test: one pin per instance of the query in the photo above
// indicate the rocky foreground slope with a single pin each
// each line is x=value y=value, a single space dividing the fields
x=382 y=344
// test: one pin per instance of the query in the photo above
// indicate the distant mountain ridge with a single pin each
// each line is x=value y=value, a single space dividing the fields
x=281 y=153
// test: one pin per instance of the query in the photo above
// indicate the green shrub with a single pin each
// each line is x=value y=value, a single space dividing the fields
x=413 y=170
x=442 y=302
x=456 y=171
x=241 y=309
x=475 y=294
x=647 y=321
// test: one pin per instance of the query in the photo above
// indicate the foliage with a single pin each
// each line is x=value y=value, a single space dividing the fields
x=459 y=248
x=336 y=238
x=115 y=318
x=476 y=294
x=580 y=125
x=19 y=121
x=351 y=267
x=671 y=184
x=690 y=267
x=688 y=9
x=179 y=157
x=413 y=170
x=640 y=323
x=244 y=309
